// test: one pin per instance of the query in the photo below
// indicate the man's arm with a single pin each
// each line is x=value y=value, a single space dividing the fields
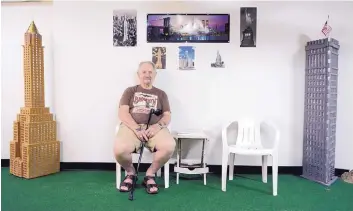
x=124 y=110
x=166 y=116
x=165 y=120
x=126 y=118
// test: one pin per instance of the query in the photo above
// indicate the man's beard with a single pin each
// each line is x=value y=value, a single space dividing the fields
x=147 y=81
x=147 y=84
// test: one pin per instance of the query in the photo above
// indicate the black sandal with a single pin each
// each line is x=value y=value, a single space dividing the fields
x=149 y=186
x=127 y=184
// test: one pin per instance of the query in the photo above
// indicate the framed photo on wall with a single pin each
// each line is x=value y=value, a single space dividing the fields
x=248 y=26
x=124 y=28
x=188 y=28
x=159 y=57
x=186 y=58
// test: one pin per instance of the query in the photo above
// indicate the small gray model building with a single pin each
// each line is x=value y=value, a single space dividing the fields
x=321 y=74
x=218 y=63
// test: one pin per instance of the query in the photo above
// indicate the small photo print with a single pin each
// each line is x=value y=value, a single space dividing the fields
x=218 y=63
x=159 y=56
x=186 y=58
x=248 y=24
x=124 y=28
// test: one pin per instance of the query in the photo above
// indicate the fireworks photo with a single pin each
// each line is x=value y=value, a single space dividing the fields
x=188 y=28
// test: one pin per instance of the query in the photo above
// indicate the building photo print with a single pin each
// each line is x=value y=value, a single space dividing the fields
x=186 y=58
x=159 y=57
x=248 y=26
x=124 y=28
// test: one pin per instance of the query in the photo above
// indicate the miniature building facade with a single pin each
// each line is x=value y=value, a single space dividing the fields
x=320 y=111
x=34 y=150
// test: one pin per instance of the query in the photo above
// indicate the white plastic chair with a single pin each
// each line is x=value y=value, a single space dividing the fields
x=145 y=159
x=250 y=137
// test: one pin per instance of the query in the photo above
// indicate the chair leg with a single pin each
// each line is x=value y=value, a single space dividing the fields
x=118 y=175
x=225 y=156
x=166 y=175
x=231 y=165
x=264 y=168
x=275 y=173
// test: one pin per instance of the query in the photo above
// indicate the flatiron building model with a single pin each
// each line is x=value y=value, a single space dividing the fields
x=321 y=83
x=34 y=150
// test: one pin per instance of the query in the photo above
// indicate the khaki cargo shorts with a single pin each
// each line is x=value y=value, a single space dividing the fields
x=163 y=139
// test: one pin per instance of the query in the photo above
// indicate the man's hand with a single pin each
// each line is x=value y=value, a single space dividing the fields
x=141 y=134
x=153 y=130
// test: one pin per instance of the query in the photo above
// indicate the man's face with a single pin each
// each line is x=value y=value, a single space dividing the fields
x=146 y=74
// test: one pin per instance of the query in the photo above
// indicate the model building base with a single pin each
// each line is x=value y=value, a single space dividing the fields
x=39 y=153
x=314 y=179
x=35 y=166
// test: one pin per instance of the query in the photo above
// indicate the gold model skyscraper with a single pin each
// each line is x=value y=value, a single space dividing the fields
x=34 y=150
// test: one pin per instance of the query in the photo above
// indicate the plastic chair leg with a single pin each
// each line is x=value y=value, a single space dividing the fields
x=264 y=168
x=166 y=175
x=118 y=175
x=225 y=156
x=275 y=173
x=231 y=166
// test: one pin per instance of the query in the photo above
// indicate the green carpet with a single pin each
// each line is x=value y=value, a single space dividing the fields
x=95 y=190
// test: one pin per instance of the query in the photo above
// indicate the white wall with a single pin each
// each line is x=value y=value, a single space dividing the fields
x=88 y=75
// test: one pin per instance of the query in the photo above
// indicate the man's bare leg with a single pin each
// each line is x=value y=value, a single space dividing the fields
x=123 y=155
x=125 y=143
x=164 y=145
x=159 y=159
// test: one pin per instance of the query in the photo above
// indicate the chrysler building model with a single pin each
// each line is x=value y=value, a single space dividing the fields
x=34 y=150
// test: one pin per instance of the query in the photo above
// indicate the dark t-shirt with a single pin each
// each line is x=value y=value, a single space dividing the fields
x=141 y=101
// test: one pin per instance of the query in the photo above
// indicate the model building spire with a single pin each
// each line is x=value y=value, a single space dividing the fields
x=34 y=150
x=32 y=28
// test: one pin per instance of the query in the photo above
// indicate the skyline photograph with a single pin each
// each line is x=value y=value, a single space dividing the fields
x=187 y=28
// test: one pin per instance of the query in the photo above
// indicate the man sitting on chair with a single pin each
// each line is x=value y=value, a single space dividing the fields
x=135 y=105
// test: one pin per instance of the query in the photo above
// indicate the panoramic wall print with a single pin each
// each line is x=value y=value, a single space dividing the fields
x=190 y=28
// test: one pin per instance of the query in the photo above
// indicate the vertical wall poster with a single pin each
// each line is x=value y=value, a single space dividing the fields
x=248 y=24
x=219 y=63
x=124 y=28
x=186 y=58
x=159 y=57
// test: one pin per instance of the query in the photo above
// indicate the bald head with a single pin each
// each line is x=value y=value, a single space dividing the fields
x=146 y=73
x=146 y=65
